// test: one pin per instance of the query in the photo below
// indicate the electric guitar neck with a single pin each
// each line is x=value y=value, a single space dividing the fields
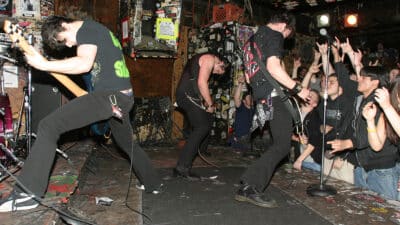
x=17 y=37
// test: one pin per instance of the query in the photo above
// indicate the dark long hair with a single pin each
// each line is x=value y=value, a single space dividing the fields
x=50 y=29
x=394 y=100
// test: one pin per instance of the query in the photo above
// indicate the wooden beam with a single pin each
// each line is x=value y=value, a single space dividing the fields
x=177 y=117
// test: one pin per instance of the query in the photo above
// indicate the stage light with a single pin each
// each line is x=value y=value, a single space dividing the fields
x=351 y=20
x=323 y=20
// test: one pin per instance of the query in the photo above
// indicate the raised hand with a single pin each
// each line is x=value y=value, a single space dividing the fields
x=382 y=97
x=369 y=111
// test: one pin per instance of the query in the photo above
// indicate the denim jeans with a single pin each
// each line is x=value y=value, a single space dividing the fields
x=381 y=181
x=312 y=166
x=78 y=113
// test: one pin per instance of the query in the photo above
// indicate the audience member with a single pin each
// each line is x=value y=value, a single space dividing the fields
x=374 y=170
x=311 y=139
x=241 y=138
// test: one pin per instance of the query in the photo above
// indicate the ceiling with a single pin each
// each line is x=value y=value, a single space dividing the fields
x=379 y=20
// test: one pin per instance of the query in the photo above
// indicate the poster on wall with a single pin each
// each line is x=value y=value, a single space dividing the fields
x=27 y=8
x=166 y=29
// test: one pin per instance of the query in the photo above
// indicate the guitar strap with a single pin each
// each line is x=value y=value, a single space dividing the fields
x=284 y=97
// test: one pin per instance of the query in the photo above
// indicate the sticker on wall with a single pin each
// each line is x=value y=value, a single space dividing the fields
x=166 y=29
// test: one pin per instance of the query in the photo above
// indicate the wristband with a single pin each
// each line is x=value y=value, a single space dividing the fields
x=371 y=130
x=296 y=89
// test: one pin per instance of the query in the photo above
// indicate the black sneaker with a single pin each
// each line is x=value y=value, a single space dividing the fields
x=249 y=194
x=18 y=201
x=186 y=174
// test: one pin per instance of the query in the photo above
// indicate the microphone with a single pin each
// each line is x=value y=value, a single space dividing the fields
x=324 y=32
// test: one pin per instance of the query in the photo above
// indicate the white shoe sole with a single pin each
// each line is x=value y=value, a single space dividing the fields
x=12 y=205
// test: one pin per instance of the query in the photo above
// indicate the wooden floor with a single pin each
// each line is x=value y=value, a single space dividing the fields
x=102 y=172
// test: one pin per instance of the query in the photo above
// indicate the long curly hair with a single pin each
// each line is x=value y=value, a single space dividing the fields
x=395 y=101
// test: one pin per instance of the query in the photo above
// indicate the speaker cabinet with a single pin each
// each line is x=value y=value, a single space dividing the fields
x=46 y=97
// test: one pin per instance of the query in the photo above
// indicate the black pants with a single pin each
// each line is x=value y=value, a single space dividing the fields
x=198 y=139
x=260 y=172
x=78 y=113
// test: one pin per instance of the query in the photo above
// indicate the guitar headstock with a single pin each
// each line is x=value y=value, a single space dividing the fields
x=16 y=35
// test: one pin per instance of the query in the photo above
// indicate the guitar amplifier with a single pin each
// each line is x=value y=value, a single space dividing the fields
x=46 y=97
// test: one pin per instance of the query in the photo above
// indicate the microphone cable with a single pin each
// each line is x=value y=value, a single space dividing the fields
x=71 y=219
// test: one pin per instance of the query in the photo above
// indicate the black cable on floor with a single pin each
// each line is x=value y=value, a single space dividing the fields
x=205 y=160
x=129 y=187
x=65 y=216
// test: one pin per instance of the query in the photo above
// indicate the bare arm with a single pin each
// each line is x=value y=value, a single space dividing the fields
x=81 y=63
x=383 y=99
x=206 y=63
x=376 y=132
x=393 y=118
x=326 y=65
x=279 y=74
x=314 y=68
x=307 y=151
x=296 y=65
x=238 y=91
x=355 y=57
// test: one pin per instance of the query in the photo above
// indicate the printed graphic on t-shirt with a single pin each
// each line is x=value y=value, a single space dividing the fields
x=119 y=66
x=250 y=65
x=95 y=72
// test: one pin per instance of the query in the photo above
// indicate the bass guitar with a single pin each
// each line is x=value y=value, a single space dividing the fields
x=17 y=37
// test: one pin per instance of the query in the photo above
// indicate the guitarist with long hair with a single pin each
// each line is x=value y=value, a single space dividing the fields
x=98 y=52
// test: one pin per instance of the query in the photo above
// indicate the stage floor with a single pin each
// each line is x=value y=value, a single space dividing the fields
x=101 y=171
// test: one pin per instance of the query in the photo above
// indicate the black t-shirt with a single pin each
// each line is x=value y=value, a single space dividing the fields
x=312 y=123
x=243 y=120
x=339 y=111
x=109 y=71
x=267 y=43
x=338 y=115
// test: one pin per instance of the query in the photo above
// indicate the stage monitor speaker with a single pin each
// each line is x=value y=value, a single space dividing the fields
x=46 y=97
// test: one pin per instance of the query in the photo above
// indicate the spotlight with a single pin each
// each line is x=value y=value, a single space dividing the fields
x=323 y=20
x=351 y=20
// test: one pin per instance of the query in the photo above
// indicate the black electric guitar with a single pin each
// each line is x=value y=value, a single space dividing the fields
x=17 y=37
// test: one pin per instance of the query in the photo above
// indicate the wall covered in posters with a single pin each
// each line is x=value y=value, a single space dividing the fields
x=155 y=28
x=225 y=39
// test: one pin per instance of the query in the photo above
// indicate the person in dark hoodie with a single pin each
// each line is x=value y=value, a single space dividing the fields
x=375 y=170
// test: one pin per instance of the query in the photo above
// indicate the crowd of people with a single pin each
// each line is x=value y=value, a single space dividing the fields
x=357 y=117
x=351 y=112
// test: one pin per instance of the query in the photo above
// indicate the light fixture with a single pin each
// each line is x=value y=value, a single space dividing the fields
x=351 y=20
x=323 y=20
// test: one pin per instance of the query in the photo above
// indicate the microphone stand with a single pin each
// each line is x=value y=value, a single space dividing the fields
x=321 y=189
x=28 y=105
